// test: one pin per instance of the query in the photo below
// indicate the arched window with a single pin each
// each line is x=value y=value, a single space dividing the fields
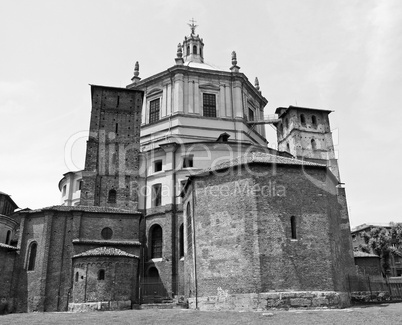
x=194 y=49
x=188 y=49
x=303 y=119
x=156 y=242
x=76 y=276
x=313 y=145
x=314 y=120
x=8 y=237
x=32 y=256
x=293 y=227
x=112 y=196
x=101 y=275
x=181 y=241
x=189 y=227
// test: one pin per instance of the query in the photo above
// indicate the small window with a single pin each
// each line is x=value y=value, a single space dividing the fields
x=181 y=241
x=8 y=237
x=157 y=195
x=32 y=256
x=158 y=166
x=154 y=108
x=101 y=275
x=107 y=233
x=188 y=161
x=313 y=145
x=194 y=49
x=293 y=227
x=188 y=49
x=76 y=276
x=112 y=196
x=314 y=120
x=287 y=147
x=80 y=183
x=303 y=119
x=250 y=114
x=156 y=242
x=209 y=105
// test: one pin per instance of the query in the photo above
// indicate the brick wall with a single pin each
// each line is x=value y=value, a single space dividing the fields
x=48 y=287
x=112 y=158
x=244 y=243
x=120 y=280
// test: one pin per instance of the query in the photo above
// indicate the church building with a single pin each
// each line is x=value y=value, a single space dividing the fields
x=182 y=201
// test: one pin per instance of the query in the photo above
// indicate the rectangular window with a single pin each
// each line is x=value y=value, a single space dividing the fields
x=250 y=114
x=157 y=195
x=154 y=107
x=80 y=182
x=209 y=105
x=157 y=166
x=188 y=161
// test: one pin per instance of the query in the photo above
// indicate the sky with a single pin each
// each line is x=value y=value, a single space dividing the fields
x=342 y=55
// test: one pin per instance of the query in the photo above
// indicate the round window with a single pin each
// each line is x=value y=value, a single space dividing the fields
x=107 y=233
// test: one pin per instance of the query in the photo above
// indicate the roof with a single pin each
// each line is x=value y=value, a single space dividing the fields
x=8 y=247
x=258 y=157
x=105 y=251
x=9 y=197
x=203 y=65
x=364 y=254
x=366 y=226
x=83 y=208
x=300 y=107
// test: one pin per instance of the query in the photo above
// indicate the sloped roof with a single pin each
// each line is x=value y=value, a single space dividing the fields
x=8 y=247
x=105 y=251
x=364 y=254
x=96 y=209
x=257 y=157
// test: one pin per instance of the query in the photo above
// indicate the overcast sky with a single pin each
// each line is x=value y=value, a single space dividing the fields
x=340 y=55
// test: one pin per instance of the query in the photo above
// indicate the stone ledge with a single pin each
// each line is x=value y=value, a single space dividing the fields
x=99 y=306
x=273 y=300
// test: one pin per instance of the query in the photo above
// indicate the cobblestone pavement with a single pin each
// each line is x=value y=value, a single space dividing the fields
x=389 y=314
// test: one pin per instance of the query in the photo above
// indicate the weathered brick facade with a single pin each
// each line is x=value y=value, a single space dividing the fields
x=61 y=233
x=242 y=231
x=112 y=157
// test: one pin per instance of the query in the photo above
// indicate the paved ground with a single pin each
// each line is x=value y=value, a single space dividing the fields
x=389 y=314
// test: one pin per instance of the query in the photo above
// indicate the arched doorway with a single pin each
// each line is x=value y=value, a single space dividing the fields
x=152 y=288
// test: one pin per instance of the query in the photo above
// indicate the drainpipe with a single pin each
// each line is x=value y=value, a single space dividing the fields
x=174 y=217
x=194 y=251
x=142 y=251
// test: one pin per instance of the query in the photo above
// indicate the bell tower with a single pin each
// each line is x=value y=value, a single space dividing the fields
x=305 y=133
x=193 y=46
x=110 y=177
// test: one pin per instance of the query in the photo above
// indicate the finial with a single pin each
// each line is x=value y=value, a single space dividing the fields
x=179 y=51
x=192 y=26
x=136 y=73
x=257 y=84
x=234 y=67
x=136 y=69
x=234 y=58
x=179 y=60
